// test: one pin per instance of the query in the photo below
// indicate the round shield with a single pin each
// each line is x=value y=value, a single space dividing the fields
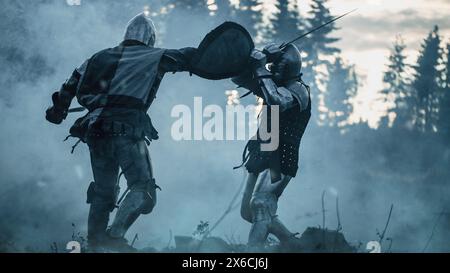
x=223 y=53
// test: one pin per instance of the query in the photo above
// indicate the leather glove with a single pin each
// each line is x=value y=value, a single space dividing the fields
x=55 y=114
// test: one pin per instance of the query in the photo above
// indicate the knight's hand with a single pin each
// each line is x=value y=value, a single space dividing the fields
x=258 y=61
x=272 y=52
x=55 y=115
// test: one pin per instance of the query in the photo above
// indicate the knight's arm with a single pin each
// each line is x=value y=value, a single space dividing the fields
x=62 y=99
x=177 y=60
x=267 y=88
x=276 y=95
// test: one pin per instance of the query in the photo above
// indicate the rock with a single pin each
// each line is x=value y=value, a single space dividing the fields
x=186 y=244
x=319 y=240
x=214 y=245
x=207 y=245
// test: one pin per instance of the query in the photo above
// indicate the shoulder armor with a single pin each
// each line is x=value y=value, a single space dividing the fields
x=300 y=91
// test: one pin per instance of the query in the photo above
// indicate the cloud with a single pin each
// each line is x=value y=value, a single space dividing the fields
x=361 y=32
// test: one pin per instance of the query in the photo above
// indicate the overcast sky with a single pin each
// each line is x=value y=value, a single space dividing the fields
x=367 y=35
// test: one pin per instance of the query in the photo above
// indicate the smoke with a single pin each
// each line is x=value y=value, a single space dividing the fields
x=43 y=186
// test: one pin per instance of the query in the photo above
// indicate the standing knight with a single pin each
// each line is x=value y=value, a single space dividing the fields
x=117 y=86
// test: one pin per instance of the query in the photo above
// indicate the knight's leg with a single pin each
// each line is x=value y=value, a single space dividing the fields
x=277 y=187
x=263 y=207
x=280 y=231
x=102 y=193
x=135 y=162
x=246 y=211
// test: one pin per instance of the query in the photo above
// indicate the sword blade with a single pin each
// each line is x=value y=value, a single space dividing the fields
x=315 y=29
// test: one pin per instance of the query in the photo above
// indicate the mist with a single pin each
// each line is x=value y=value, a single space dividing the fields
x=43 y=186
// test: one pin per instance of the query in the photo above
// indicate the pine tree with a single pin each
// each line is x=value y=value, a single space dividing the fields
x=197 y=7
x=397 y=87
x=318 y=47
x=426 y=83
x=265 y=29
x=190 y=20
x=319 y=42
x=249 y=15
x=342 y=85
x=288 y=22
x=444 y=107
x=224 y=11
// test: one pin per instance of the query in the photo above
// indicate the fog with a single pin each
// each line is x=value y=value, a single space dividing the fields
x=43 y=186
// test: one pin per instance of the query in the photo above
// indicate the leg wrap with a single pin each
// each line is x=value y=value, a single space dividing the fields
x=138 y=201
x=149 y=190
x=99 y=194
x=263 y=207
x=246 y=211
x=97 y=222
x=258 y=233
x=102 y=200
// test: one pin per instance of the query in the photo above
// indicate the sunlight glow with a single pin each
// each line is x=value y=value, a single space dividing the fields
x=146 y=10
x=367 y=45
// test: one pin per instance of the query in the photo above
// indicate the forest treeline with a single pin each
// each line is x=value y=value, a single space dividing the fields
x=419 y=93
x=416 y=125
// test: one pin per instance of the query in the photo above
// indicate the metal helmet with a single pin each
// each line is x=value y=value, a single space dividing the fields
x=288 y=65
x=142 y=29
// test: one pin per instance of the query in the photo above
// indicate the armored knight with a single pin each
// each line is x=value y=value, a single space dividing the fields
x=274 y=75
x=117 y=86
